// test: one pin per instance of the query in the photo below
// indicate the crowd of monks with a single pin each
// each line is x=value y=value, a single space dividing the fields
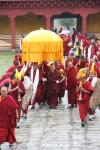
x=45 y=84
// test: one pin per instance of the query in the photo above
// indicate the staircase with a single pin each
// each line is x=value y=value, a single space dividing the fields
x=5 y=42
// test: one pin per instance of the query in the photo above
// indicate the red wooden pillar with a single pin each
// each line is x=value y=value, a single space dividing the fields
x=48 y=22
x=84 y=23
x=13 y=32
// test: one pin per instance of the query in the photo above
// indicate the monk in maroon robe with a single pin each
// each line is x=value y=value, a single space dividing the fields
x=86 y=44
x=18 y=58
x=52 y=87
x=81 y=63
x=66 y=41
x=71 y=73
x=17 y=91
x=84 y=93
x=8 y=117
x=72 y=59
x=94 y=50
x=59 y=65
x=45 y=70
x=62 y=84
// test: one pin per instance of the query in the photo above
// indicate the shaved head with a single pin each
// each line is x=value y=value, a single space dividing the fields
x=3 y=91
x=70 y=64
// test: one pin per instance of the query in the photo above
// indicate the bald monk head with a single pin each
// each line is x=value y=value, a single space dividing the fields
x=4 y=91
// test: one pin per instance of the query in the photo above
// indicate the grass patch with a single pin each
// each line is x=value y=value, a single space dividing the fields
x=6 y=58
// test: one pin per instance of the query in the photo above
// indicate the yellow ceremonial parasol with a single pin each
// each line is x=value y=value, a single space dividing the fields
x=42 y=45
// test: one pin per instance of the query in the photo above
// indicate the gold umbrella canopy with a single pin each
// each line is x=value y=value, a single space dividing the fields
x=42 y=45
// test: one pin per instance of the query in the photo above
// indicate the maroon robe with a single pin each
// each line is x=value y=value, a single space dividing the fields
x=66 y=41
x=11 y=69
x=71 y=85
x=86 y=44
x=52 y=89
x=81 y=63
x=5 y=76
x=8 y=119
x=14 y=94
x=94 y=49
x=19 y=67
x=62 y=87
x=61 y=66
x=84 y=108
x=71 y=59
x=66 y=46
x=17 y=95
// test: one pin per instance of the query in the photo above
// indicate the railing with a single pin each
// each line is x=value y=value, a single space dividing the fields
x=5 y=41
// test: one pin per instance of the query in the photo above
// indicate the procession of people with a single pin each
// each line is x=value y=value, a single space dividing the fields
x=45 y=84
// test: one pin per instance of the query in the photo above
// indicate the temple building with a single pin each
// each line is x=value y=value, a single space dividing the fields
x=23 y=16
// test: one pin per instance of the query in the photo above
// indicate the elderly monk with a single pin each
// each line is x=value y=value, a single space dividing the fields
x=53 y=86
x=8 y=117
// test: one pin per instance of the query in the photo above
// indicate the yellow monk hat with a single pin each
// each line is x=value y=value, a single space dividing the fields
x=18 y=75
x=81 y=73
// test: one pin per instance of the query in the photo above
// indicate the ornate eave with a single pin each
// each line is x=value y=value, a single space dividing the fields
x=14 y=4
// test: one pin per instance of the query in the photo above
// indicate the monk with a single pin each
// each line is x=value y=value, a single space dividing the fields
x=81 y=63
x=71 y=73
x=62 y=85
x=18 y=58
x=86 y=44
x=59 y=65
x=52 y=86
x=17 y=91
x=74 y=35
x=85 y=90
x=71 y=58
x=92 y=50
x=36 y=79
x=8 y=117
